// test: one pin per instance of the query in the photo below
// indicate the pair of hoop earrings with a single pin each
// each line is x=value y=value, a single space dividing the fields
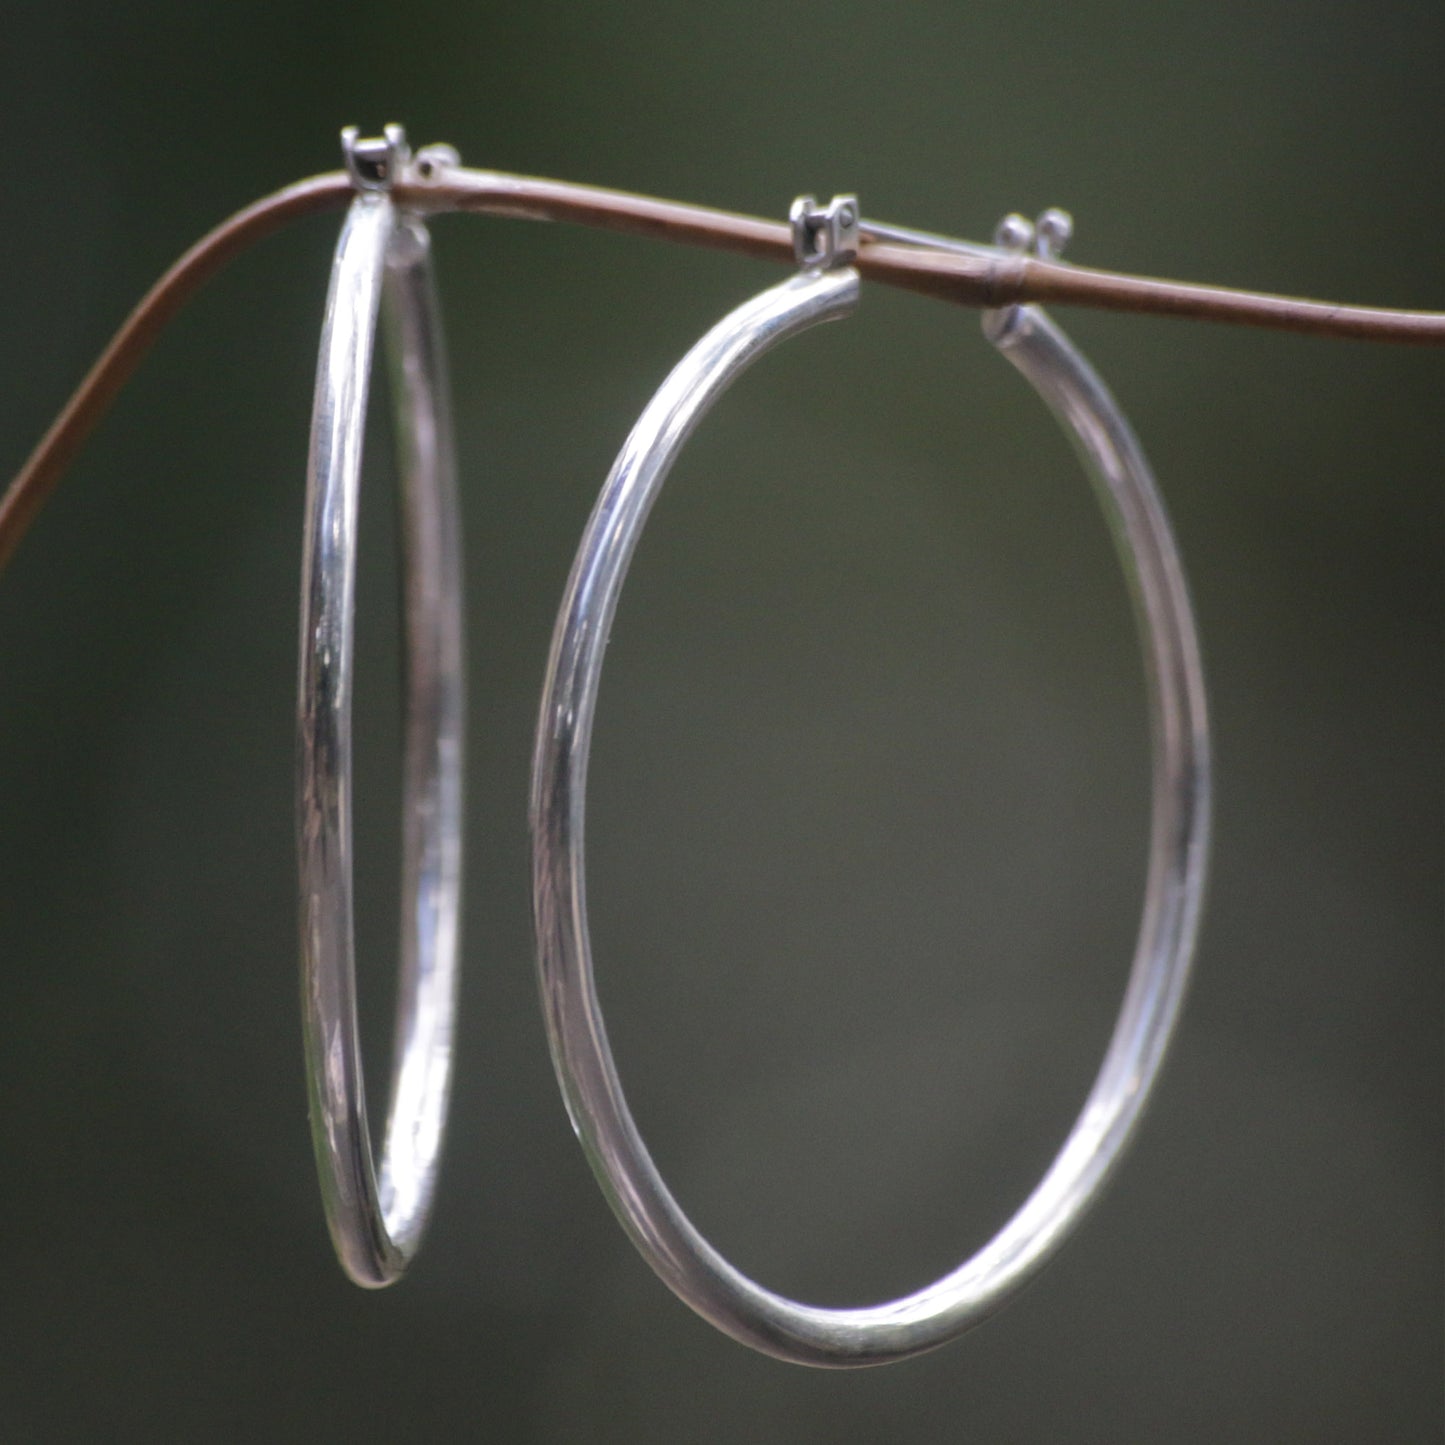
x=376 y=1217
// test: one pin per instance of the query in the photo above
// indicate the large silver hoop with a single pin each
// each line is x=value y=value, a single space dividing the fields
x=1174 y=888
x=382 y=259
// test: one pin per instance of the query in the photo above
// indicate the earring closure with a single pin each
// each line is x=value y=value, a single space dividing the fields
x=824 y=240
x=376 y=163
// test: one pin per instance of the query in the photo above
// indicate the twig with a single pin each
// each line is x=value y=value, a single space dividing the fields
x=982 y=277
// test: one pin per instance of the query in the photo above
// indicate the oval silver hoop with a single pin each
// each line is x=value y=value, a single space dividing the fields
x=1179 y=836
x=376 y=1219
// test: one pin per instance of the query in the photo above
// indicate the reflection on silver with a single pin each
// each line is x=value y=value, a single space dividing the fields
x=1173 y=892
x=382 y=260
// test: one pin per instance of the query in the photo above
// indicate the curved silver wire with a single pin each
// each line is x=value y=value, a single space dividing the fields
x=1180 y=827
x=375 y=1221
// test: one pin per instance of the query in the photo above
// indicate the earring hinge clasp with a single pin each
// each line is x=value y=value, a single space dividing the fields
x=828 y=238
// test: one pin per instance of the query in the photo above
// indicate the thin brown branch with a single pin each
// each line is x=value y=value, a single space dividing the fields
x=104 y=381
x=970 y=280
x=963 y=279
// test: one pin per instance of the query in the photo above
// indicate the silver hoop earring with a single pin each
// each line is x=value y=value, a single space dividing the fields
x=827 y=288
x=376 y=1218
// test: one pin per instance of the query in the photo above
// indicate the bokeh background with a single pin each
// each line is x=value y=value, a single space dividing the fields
x=869 y=788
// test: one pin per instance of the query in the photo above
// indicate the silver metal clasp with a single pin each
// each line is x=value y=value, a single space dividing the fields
x=827 y=238
x=375 y=164
x=1044 y=238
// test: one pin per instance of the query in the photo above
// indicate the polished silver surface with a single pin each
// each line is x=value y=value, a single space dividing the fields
x=376 y=1218
x=1046 y=237
x=1173 y=892
x=374 y=164
x=826 y=237
x=928 y=240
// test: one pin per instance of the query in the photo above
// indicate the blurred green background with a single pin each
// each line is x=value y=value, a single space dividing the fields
x=869 y=788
